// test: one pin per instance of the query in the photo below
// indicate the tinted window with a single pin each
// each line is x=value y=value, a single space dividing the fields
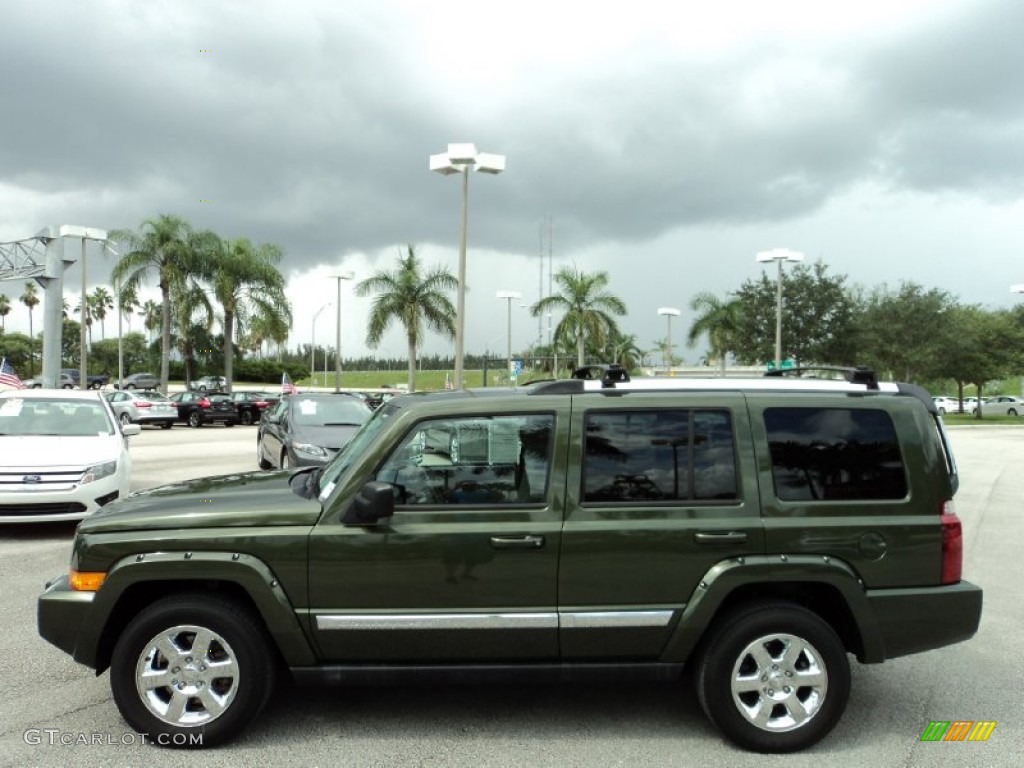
x=834 y=454
x=472 y=460
x=659 y=455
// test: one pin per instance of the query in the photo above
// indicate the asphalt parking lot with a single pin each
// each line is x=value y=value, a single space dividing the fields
x=49 y=700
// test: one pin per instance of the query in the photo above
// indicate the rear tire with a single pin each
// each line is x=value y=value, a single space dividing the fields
x=286 y=462
x=192 y=671
x=167 y=425
x=246 y=418
x=230 y=423
x=260 y=460
x=125 y=419
x=773 y=677
x=195 y=420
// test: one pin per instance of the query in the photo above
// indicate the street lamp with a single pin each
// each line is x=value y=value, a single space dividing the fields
x=337 y=341
x=312 y=346
x=461 y=158
x=779 y=255
x=669 y=313
x=509 y=296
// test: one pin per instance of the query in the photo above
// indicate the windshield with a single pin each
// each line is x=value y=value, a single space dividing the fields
x=355 y=447
x=329 y=412
x=53 y=416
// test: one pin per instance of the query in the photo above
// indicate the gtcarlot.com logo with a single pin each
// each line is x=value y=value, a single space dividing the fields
x=54 y=737
x=958 y=730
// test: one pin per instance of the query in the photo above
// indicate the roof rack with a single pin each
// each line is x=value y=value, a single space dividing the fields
x=860 y=374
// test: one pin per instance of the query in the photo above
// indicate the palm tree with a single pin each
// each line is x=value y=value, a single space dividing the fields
x=414 y=300
x=31 y=300
x=128 y=302
x=100 y=303
x=165 y=247
x=86 y=315
x=587 y=308
x=151 y=315
x=719 y=320
x=5 y=310
x=266 y=327
x=625 y=351
x=246 y=282
x=193 y=319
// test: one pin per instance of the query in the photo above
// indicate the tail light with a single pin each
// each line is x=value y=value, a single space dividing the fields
x=203 y=402
x=952 y=545
x=142 y=404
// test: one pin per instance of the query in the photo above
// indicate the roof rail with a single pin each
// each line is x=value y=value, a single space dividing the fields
x=609 y=375
x=856 y=375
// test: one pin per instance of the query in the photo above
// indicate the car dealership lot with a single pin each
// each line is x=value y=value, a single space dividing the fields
x=50 y=700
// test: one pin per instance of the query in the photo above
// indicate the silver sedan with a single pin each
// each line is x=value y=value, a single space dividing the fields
x=143 y=407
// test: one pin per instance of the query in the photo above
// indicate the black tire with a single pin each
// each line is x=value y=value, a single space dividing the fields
x=167 y=425
x=37 y=386
x=229 y=633
x=1012 y=412
x=246 y=418
x=95 y=385
x=67 y=386
x=195 y=420
x=125 y=419
x=286 y=461
x=730 y=691
x=129 y=386
x=260 y=460
x=230 y=423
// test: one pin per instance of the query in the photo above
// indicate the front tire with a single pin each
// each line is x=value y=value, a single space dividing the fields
x=263 y=463
x=773 y=678
x=192 y=671
x=167 y=425
x=286 y=462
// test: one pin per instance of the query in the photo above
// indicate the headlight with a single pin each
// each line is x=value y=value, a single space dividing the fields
x=99 y=471
x=310 y=450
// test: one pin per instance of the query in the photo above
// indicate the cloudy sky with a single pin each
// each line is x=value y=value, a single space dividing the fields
x=666 y=143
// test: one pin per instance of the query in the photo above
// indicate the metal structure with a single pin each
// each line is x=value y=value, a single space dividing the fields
x=669 y=313
x=509 y=296
x=337 y=339
x=44 y=258
x=779 y=255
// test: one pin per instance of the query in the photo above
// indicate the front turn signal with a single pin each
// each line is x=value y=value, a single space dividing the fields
x=87 y=581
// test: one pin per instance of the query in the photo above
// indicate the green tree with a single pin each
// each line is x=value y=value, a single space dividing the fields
x=817 y=318
x=986 y=347
x=246 y=283
x=30 y=298
x=412 y=298
x=193 y=317
x=87 y=315
x=718 y=320
x=907 y=332
x=128 y=304
x=168 y=249
x=5 y=310
x=100 y=303
x=151 y=315
x=624 y=350
x=587 y=309
x=17 y=348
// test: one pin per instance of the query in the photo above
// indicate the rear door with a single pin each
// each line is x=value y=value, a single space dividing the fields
x=661 y=486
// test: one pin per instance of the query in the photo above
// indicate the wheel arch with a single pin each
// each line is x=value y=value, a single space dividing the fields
x=825 y=586
x=136 y=584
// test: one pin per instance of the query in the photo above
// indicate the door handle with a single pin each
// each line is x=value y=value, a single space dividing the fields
x=725 y=537
x=517 y=542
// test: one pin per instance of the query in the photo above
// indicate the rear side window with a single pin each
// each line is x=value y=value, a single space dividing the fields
x=659 y=455
x=834 y=454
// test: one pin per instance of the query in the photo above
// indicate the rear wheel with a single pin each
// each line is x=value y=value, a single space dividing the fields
x=195 y=420
x=263 y=463
x=129 y=386
x=125 y=419
x=286 y=462
x=167 y=425
x=1012 y=412
x=246 y=418
x=193 y=670
x=230 y=423
x=773 y=678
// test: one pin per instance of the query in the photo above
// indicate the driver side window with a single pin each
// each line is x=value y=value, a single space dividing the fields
x=472 y=461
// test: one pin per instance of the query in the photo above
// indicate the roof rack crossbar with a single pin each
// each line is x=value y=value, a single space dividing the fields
x=855 y=375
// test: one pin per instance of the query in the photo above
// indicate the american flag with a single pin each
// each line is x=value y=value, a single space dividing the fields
x=8 y=376
x=287 y=388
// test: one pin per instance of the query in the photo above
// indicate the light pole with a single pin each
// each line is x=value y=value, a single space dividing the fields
x=337 y=341
x=669 y=313
x=1019 y=288
x=462 y=158
x=312 y=346
x=509 y=296
x=779 y=255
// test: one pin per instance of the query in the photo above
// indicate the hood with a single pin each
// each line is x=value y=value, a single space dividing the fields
x=37 y=451
x=251 y=499
x=326 y=437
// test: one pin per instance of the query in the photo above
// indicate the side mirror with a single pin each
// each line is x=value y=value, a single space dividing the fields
x=374 y=502
x=130 y=430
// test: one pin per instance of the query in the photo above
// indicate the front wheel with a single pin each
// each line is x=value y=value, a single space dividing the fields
x=260 y=460
x=1012 y=412
x=286 y=461
x=773 y=678
x=191 y=671
x=167 y=425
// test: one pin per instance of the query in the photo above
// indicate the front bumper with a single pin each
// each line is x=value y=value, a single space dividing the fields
x=59 y=504
x=61 y=613
x=921 y=619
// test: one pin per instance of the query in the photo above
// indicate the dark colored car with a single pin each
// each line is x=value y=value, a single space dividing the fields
x=308 y=429
x=251 y=405
x=197 y=409
x=95 y=381
x=760 y=532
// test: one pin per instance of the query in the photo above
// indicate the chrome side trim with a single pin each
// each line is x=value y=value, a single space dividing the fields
x=395 y=621
x=613 y=619
x=535 y=620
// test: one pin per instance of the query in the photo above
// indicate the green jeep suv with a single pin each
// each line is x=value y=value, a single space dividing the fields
x=759 y=531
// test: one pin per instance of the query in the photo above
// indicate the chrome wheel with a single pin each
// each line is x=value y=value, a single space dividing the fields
x=779 y=682
x=187 y=676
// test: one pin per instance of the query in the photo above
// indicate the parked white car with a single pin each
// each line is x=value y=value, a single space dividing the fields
x=63 y=455
x=1000 y=405
x=946 y=404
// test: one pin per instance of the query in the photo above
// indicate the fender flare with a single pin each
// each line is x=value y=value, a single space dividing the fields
x=727 y=576
x=246 y=572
